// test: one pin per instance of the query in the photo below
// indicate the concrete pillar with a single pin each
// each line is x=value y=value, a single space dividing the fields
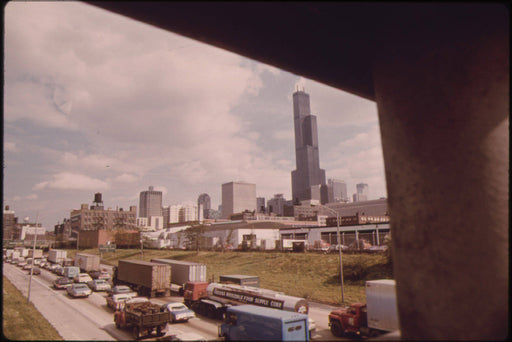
x=442 y=91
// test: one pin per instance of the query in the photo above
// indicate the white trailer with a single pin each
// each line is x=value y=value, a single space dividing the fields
x=57 y=256
x=381 y=303
x=87 y=262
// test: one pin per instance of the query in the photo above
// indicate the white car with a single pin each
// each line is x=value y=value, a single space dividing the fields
x=117 y=301
x=99 y=285
x=82 y=278
x=79 y=290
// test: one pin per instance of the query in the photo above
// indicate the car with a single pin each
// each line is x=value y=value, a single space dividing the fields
x=79 y=290
x=98 y=285
x=82 y=278
x=186 y=336
x=21 y=263
x=99 y=275
x=122 y=289
x=27 y=266
x=59 y=270
x=62 y=283
x=179 y=312
x=117 y=301
x=36 y=270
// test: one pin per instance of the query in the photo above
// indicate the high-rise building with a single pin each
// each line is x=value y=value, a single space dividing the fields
x=10 y=222
x=276 y=204
x=150 y=203
x=204 y=200
x=260 y=205
x=362 y=192
x=337 y=191
x=308 y=178
x=237 y=197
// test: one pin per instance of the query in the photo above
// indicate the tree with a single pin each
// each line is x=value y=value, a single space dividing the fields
x=193 y=236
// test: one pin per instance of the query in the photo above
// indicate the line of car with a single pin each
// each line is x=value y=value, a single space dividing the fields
x=84 y=284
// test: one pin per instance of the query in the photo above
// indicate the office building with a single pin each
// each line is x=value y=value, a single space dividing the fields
x=276 y=205
x=10 y=221
x=204 y=201
x=362 y=192
x=237 y=197
x=150 y=203
x=337 y=191
x=308 y=178
x=260 y=205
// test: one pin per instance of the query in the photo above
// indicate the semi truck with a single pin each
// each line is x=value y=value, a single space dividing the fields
x=212 y=299
x=147 y=278
x=182 y=272
x=87 y=262
x=57 y=256
x=379 y=314
x=255 y=323
x=144 y=318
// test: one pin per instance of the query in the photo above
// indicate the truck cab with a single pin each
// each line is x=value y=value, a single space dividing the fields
x=348 y=320
x=194 y=291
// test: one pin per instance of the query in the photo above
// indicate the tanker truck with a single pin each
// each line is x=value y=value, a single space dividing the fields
x=212 y=299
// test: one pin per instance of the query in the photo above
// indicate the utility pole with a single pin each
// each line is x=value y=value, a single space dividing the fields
x=33 y=259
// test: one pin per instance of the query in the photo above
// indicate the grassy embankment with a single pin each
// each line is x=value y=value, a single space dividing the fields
x=309 y=275
x=22 y=321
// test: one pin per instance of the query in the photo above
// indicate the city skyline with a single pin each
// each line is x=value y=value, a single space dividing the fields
x=86 y=110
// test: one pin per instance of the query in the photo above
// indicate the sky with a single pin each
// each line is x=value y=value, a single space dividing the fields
x=96 y=102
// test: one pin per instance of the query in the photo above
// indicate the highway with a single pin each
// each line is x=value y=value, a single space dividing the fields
x=90 y=318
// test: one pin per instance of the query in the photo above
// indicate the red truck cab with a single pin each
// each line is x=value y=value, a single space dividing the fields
x=349 y=320
x=194 y=291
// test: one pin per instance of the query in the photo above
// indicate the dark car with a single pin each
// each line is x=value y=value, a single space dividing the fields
x=35 y=270
x=62 y=282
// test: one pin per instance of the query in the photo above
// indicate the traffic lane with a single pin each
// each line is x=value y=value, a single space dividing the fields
x=72 y=319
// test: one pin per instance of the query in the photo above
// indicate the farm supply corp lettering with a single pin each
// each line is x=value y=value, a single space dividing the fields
x=260 y=301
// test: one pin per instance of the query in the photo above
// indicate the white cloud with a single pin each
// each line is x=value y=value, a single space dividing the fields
x=72 y=181
x=126 y=178
x=10 y=147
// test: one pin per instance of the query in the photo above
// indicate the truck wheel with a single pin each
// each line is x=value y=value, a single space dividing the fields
x=336 y=329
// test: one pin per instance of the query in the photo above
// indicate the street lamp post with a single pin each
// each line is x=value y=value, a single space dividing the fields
x=339 y=248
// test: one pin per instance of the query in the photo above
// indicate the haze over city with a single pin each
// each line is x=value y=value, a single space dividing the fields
x=95 y=102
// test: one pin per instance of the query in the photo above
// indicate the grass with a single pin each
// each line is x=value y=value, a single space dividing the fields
x=309 y=275
x=22 y=321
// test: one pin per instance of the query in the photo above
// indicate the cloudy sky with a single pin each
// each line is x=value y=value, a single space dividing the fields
x=95 y=102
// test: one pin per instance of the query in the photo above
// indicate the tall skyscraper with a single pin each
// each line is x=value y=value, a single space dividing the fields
x=237 y=197
x=204 y=200
x=150 y=203
x=308 y=178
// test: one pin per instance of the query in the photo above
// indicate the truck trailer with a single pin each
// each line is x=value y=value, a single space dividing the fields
x=57 y=256
x=87 y=262
x=255 y=323
x=182 y=272
x=147 y=278
x=379 y=314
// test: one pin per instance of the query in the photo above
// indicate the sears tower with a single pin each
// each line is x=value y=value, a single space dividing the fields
x=308 y=180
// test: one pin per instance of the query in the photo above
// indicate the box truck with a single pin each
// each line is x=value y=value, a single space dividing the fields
x=57 y=256
x=255 y=323
x=377 y=316
x=87 y=262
